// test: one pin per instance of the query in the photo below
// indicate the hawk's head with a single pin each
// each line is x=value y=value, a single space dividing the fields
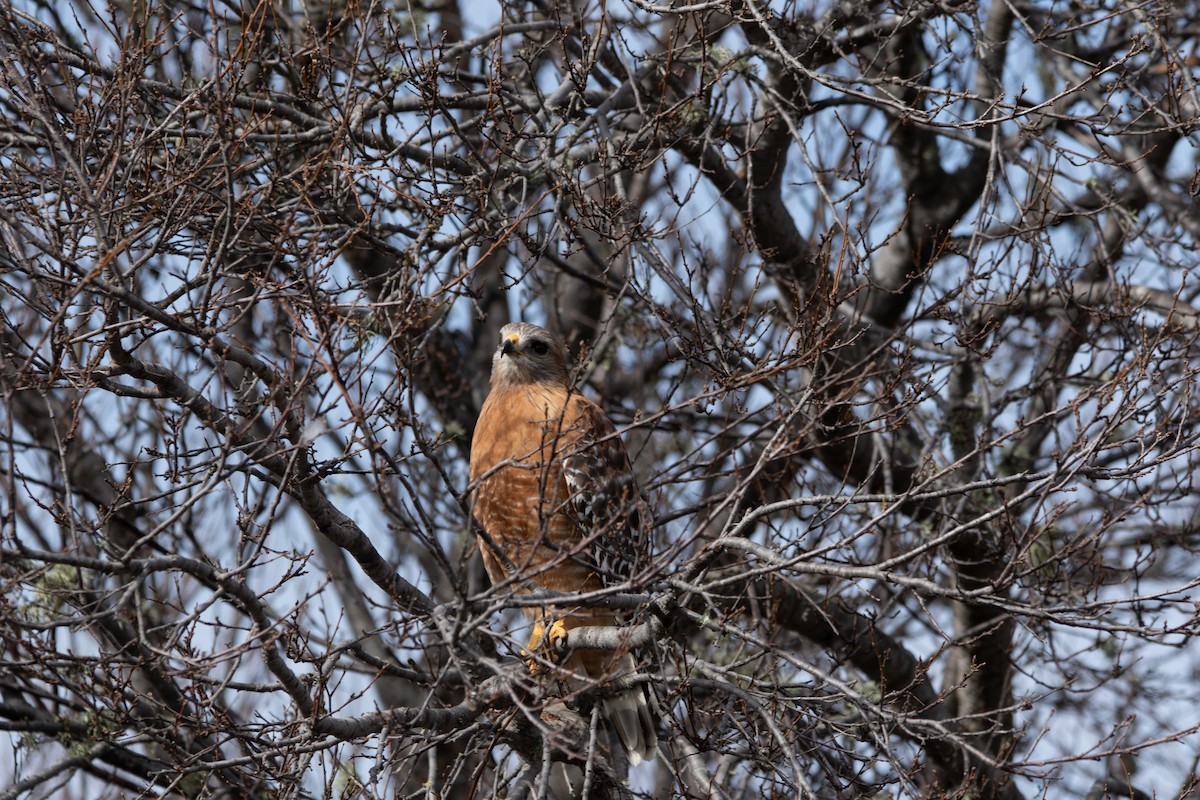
x=529 y=354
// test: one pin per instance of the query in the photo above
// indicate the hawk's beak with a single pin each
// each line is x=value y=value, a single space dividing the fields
x=509 y=346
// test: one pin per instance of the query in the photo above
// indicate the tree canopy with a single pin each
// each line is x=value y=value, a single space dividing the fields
x=892 y=303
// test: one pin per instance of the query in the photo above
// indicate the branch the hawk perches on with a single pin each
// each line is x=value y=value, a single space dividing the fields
x=556 y=496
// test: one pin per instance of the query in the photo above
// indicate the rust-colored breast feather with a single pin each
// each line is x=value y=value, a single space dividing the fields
x=522 y=499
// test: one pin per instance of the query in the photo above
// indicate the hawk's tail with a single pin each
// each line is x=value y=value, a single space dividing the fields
x=632 y=717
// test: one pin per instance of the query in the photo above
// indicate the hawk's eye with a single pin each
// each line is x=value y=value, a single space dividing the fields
x=540 y=347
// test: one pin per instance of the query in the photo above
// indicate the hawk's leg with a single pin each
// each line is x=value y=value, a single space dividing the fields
x=546 y=645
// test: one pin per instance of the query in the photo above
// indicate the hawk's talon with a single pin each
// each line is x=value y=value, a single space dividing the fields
x=546 y=645
x=558 y=641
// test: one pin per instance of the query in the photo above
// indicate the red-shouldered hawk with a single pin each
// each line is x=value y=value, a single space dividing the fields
x=557 y=500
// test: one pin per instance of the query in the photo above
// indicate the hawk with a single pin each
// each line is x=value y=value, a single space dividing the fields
x=560 y=510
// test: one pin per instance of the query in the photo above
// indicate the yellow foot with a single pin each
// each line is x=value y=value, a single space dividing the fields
x=545 y=645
